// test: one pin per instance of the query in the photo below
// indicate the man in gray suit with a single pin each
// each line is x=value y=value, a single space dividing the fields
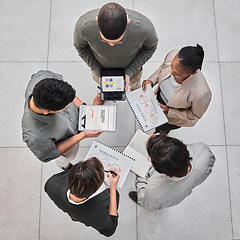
x=177 y=169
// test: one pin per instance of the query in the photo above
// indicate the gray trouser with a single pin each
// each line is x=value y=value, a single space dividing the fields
x=67 y=156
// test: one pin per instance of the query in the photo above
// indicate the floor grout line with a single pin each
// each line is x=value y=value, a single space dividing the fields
x=136 y=222
x=49 y=33
x=48 y=47
x=40 y=204
x=213 y=145
x=224 y=123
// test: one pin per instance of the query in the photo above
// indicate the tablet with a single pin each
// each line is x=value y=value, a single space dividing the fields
x=112 y=84
x=97 y=117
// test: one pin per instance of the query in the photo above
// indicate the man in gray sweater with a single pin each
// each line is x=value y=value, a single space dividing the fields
x=113 y=37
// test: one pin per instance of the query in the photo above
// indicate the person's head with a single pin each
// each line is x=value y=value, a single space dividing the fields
x=52 y=94
x=186 y=62
x=168 y=155
x=112 y=21
x=86 y=177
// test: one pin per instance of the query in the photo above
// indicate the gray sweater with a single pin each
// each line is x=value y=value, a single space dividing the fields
x=138 y=47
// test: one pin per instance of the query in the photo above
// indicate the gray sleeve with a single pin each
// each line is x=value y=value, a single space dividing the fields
x=141 y=183
x=148 y=48
x=84 y=49
x=45 y=150
x=37 y=77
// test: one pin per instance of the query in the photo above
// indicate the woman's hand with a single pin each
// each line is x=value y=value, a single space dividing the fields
x=145 y=83
x=113 y=179
x=164 y=107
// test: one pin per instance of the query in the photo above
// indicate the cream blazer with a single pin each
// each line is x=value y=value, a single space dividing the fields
x=190 y=100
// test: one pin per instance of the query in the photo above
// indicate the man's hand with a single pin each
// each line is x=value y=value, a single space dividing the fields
x=127 y=79
x=113 y=180
x=66 y=144
x=90 y=133
x=145 y=83
x=77 y=102
x=164 y=107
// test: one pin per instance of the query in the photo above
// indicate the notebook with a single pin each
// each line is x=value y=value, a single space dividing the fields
x=136 y=149
x=97 y=117
x=144 y=106
x=111 y=159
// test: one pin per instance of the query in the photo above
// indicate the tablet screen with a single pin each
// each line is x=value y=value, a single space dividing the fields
x=112 y=83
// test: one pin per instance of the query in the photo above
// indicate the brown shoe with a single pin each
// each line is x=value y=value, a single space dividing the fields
x=133 y=196
x=97 y=100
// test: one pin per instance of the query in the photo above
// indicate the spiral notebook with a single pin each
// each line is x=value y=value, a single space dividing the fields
x=137 y=150
x=97 y=117
x=111 y=159
x=144 y=106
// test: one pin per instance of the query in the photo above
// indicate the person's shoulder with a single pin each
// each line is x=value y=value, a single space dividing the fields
x=55 y=181
x=201 y=154
x=138 y=18
x=135 y=14
x=200 y=84
x=170 y=55
x=198 y=147
x=86 y=24
x=87 y=19
x=42 y=74
x=30 y=128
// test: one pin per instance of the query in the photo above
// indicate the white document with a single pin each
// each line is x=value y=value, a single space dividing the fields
x=111 y=159
x=145 y=107
x=136 y=149
x=97 y=117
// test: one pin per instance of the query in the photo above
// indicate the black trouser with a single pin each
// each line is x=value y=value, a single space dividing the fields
x=166 y=127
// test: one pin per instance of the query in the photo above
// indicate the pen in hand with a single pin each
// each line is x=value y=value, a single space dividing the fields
x=112 y=172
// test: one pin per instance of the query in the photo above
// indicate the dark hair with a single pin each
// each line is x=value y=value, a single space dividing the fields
x=112 y=20
x=168 y=155
x=86 y=177
x=52 y=94
x=191 y=58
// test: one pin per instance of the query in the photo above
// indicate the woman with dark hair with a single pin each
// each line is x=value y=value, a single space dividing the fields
x=177 y=169
x=82 y=194
x=182 y=91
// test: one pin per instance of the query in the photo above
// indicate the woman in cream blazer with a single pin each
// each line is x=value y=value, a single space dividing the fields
x=189 y=95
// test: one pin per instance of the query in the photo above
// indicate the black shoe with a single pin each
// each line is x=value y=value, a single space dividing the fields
x=133 y=196
x=67 y=168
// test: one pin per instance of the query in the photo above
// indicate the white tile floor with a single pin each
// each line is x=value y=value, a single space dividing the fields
x=39 y=35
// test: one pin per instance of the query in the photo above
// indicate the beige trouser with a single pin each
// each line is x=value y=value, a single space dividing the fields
x=135 y=80
x=67 y=156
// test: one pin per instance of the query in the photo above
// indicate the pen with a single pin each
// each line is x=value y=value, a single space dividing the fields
x=112 y=172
